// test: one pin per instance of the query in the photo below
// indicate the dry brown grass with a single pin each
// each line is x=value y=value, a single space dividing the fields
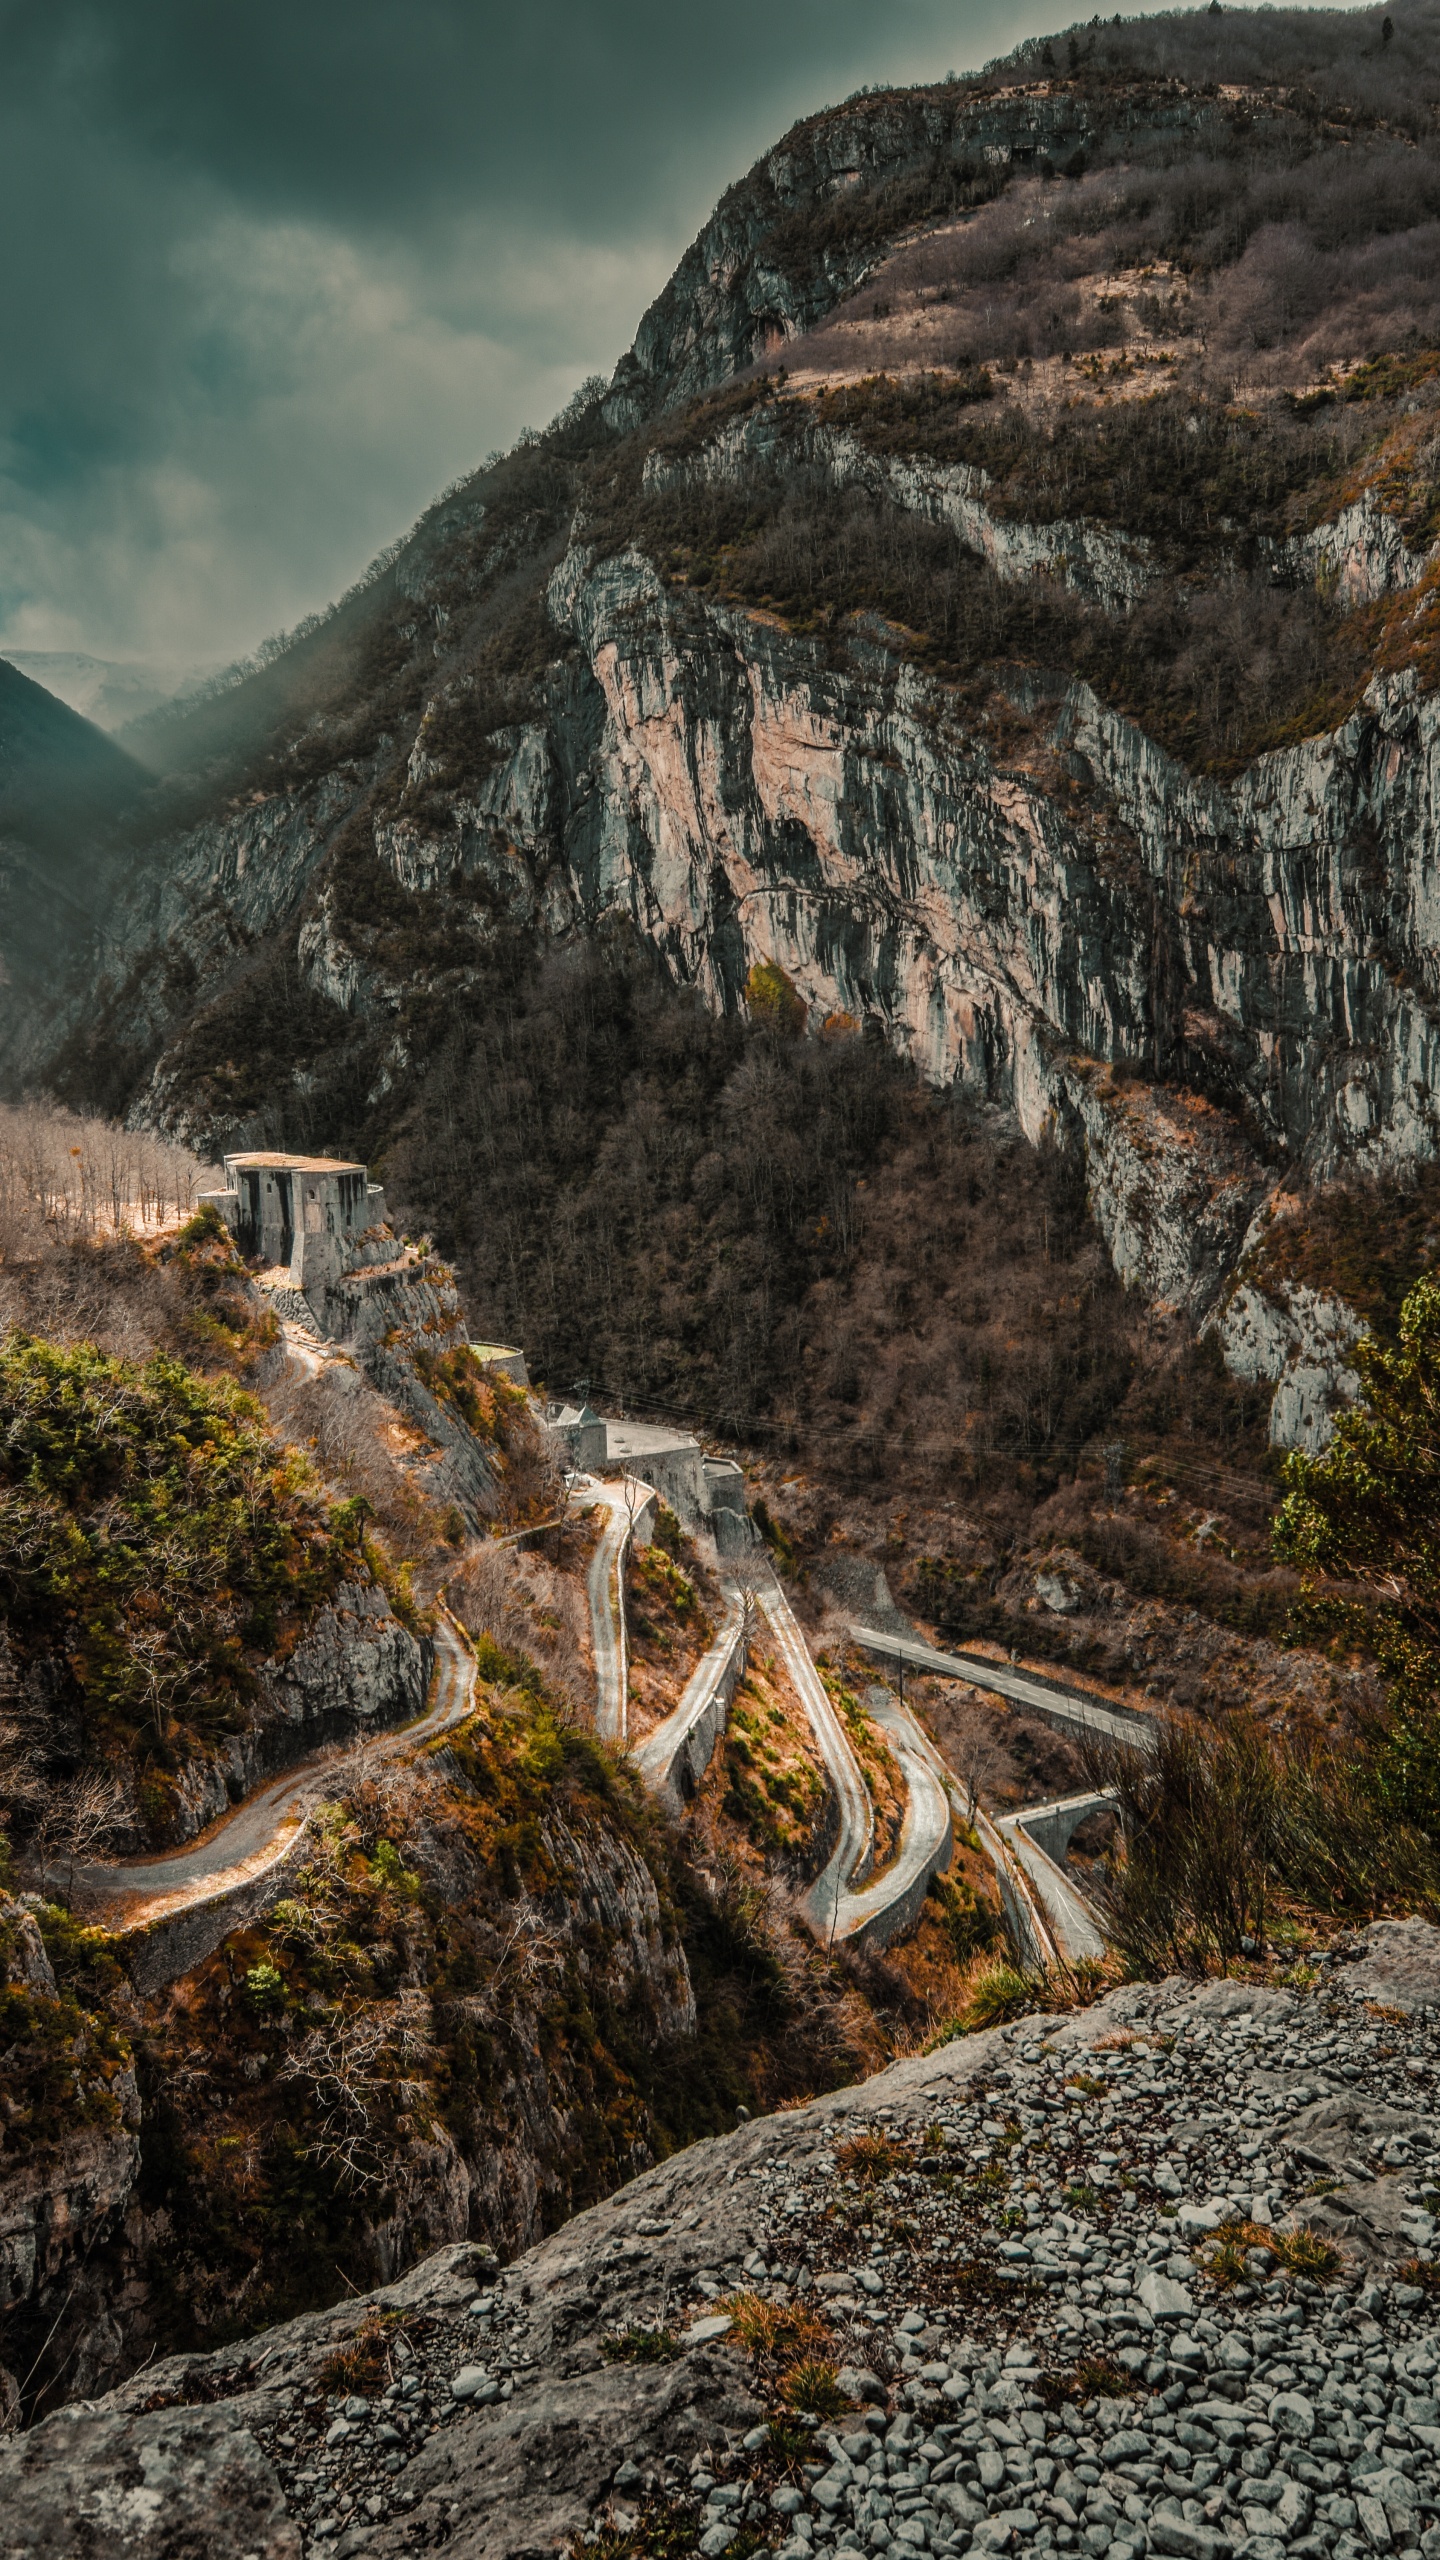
x=769 y=2330
x=870 y=2157
x=529 y=1606
x=1303 y=2252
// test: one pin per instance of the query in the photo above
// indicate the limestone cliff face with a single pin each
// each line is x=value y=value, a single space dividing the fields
x=711 y=776
x=1205 y=984
x=87 y=2258
x=1299 y=1341
x=69 y=2138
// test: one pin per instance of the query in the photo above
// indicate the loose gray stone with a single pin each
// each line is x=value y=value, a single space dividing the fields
x=1291 y=2414
x=1182 y=2541
x=1163 y=2299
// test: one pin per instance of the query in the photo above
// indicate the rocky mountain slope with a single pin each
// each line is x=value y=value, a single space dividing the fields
x=1155 y=2276
x=1029 y=656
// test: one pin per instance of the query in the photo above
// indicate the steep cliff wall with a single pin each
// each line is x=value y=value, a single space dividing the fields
x=1028 y=922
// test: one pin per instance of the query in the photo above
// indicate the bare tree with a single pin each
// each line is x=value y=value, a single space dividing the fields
x=353 y=2067
x=973 y=1749
x=748 y=1575
x=78 y=1818
x=78 y=1177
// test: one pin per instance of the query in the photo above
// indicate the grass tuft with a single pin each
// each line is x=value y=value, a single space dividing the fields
x=870 y=2157
x=642 y=2346
x=1301 y=2253
x=813 y=2385
x=770 y=2330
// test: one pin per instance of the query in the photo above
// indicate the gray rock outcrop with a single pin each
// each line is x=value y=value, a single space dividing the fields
x=1122 y=2136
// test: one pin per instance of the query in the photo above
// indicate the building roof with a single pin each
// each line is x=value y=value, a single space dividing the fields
x=646 y=1440
x=293 y=1164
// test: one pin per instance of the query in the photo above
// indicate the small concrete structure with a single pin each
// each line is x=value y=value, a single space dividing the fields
x=506 y=1357
x=703 y=1493
x=303 y=1215
x=725 y=1501
x=1052 y=1826
x=581 y=1433
x=670 y=1460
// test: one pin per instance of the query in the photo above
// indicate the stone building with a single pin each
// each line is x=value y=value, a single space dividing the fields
x=301 y=1215
x=703 y=1493
x=581 y=1434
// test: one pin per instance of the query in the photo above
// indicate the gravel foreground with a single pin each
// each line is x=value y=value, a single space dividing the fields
x=1154 y=2276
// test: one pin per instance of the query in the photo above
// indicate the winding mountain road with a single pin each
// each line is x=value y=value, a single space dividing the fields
x=828 y=1903
x=243 y=1846
x=1075 y=1710
x=880 y=1910
x=626 y=1502
x=605 y=1592
x=675 y=1756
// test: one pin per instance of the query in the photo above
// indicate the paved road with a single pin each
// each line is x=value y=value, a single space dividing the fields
x=881 y=1909
x=680 y=1748
x=1077 y=1710
x=242 y=1844
x=305 y=1349
x=1029 y=1928
x=825 y=1904
x=1069 y=1917
x=605 y=1591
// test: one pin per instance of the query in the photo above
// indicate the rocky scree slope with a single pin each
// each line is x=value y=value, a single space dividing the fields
x=1065 y=2286
x=1062 y=709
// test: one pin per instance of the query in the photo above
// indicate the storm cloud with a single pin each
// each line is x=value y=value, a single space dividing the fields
x=277 y=272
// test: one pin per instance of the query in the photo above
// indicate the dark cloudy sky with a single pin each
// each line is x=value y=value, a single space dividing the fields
x=276 y=270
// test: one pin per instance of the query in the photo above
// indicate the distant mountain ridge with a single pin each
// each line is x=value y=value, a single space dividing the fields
x=63 y=786
x=108 y=691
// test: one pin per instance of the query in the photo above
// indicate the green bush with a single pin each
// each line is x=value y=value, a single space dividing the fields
x=151 y=1527
x=1366 y=1513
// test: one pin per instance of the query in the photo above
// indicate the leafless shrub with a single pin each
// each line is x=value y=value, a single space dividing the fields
x=519 y=1599
x=387 y=1797
x=344 y=1424
x=77 y=1818
x=352 y=2069
x=59 y=1821
x=974 y=1750
x=1292 y=262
